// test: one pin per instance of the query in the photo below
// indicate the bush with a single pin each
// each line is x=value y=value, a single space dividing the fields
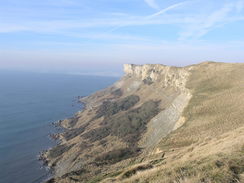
x=117 y=155
x=133 y=171
x=131 y=125
x=148 y=81
x=117 y=93
x=97 y=134
x=109 y=108
x=74 y=132
x=59 y=150
x=128 y=126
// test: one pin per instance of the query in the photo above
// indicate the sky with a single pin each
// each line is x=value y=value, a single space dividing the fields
x=99 y=36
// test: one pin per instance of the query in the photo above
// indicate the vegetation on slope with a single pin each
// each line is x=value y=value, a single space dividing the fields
x=128 y=126
x=208 y=148
x=109 y=108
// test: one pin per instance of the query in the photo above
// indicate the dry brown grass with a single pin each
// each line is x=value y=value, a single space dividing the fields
x=217 y=104
x=208 y=148
x=214 y=128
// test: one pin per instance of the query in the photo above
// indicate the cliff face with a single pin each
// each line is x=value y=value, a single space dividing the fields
x=162 y=78
x=156 y=119
x=167 y=76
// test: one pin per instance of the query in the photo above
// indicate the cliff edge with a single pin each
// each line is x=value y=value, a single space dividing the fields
x=157 y=124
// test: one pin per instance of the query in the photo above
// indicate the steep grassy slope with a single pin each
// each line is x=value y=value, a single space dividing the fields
x=209 y=147
x=158 y=124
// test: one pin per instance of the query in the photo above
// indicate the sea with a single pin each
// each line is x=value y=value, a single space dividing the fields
x=29 y=104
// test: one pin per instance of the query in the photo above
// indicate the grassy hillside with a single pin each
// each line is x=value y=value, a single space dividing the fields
x=130 y=132
x=209 y=147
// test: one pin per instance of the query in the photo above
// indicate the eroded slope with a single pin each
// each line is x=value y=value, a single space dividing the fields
x=157 y=124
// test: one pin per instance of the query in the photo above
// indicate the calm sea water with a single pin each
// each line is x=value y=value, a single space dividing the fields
x=29 y=103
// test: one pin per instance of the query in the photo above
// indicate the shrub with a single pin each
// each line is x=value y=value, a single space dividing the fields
x=59 y=150
x=68 y=135
x=148 y=81
x=116 y=155
x=128 y=126
x=109 y=108
x=133 y=171
x=97 y=134
x=131 y=125
x=117 y=93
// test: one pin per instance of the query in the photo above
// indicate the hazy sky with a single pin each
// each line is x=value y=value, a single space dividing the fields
x=98 y=36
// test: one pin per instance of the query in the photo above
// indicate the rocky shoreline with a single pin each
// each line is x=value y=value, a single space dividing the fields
x=42 y=157
x=53 y=136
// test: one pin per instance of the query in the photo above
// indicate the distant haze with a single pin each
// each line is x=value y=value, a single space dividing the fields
x=97 y=37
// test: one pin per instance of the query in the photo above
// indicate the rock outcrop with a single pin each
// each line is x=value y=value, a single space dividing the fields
x=161 y=78
x=168 y=76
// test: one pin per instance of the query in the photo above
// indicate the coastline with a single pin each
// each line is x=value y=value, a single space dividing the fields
x=97 y=127
x=56 y=137
x=133 y=126
x=37 y=100
x=88 y=102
